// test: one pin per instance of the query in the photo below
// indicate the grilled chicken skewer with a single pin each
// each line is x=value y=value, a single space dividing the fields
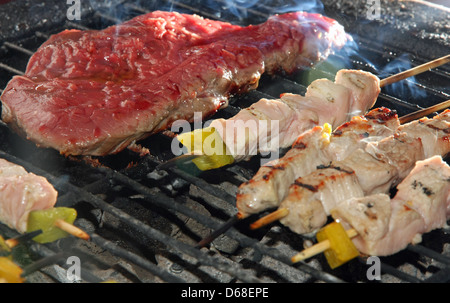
x=27 y=200
x=313 y=148
x=382 y=226
x=375 y=169
x=253 y=131
x=269 y=125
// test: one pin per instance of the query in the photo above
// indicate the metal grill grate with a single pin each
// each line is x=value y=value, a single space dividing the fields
x=144 y=223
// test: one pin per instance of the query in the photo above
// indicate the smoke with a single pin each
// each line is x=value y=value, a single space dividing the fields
x=406 y=89
x=116 y=9
x=242 y=8
x=310 y=6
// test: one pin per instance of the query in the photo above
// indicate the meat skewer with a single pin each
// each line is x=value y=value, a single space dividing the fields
x=376 y=169
x=95 y=92
x=270 y=184
x=268 y=125
x=253 y=130
x=382 y=226
x=313 y=148
x=27 y=204
x=282 y=212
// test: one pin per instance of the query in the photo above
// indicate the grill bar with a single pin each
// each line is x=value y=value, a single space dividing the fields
x=244 y=241
x=399 y=274
x=421 y=250
x=203 y=258
x=138 y=260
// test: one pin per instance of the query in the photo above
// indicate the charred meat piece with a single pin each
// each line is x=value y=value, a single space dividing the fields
x=315 y=147
x=377 y=124
x=431 y=130
x=387 y=226
x=20 y=193
x=95 y=92
x=310 y=199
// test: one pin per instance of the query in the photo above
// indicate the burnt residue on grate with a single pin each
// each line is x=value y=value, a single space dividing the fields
x=145 y=222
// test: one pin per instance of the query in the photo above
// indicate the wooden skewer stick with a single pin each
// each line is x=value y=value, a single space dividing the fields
x=13 y=242
x=272 y=217
x=71 y=229
x=61 y=224
x=278 y=214
x=319 y=248
x=415 y=70
x=218 y=232
x=424 y=112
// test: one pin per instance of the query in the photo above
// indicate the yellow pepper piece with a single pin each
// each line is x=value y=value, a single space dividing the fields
x=210 y=145
x=10 y=272
x=45 y=221
x=341 y=248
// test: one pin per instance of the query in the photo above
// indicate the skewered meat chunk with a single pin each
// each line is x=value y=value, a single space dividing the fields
x=95 y=92
x=269 y=186
x=271 y=183
x=434 y=133
x=377 y=124
x=330 y=101
x=20 y=193
x=382 y=164
x=387 y=226
x=319 y=192
x=426 y=190
x=361 y=88
x=244 y=133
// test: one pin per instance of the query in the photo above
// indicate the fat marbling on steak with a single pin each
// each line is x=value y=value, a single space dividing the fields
x=95 y=92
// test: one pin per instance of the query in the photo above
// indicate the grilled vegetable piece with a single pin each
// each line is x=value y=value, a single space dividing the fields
x=10 y=272
x=209 y=144
x=46 y=219
x=341 y=248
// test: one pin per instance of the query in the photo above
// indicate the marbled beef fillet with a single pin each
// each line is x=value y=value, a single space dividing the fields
x=95 y=92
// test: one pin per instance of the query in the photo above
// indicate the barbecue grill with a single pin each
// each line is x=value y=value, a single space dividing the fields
x=144 y=222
